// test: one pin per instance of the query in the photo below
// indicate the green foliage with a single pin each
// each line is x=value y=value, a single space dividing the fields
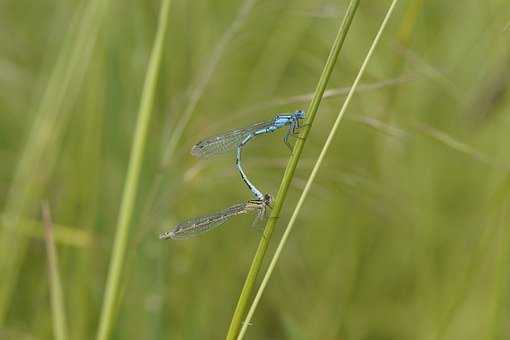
x=404 y=234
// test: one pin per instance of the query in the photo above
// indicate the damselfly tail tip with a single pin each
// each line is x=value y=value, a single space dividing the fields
x=197 y=151
x=166 y=235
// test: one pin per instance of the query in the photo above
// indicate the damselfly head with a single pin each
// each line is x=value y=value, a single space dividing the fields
x=166 y=235
x=268 y=199
x=299 y=114
x=197 y=150
x=172 y=234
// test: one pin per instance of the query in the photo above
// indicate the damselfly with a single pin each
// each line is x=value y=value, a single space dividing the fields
x=202 y=224
x=238 y=138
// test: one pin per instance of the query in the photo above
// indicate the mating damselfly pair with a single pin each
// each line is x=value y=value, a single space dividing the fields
x=235 y=139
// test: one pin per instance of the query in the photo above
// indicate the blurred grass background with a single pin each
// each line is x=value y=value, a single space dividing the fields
x=405 y=235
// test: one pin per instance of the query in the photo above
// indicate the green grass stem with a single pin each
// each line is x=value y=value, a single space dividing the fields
x=313 y=174
x=311 y=112
x=133 y=177
x=56 y=290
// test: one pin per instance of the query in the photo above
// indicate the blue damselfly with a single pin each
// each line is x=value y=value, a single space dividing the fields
x=238 y=138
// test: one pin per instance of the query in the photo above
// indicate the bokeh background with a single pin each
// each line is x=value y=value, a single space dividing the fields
x=405 y=234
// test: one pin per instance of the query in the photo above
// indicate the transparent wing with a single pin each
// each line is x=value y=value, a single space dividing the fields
x=202 y=224
x=225 y=142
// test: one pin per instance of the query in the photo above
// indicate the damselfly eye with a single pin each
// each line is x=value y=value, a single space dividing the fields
x=268 y=199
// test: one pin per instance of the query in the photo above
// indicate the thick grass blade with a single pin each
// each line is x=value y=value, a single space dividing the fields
x=311 y=112
x=314 y=172
x=132 y=179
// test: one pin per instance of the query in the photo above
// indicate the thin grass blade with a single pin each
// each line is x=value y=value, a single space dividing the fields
x=133 y=176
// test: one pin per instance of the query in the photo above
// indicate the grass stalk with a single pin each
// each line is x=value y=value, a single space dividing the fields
x=133 y=177
x=499 y=308
x=315 y=169
x=311 y=112
x=56 y=291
